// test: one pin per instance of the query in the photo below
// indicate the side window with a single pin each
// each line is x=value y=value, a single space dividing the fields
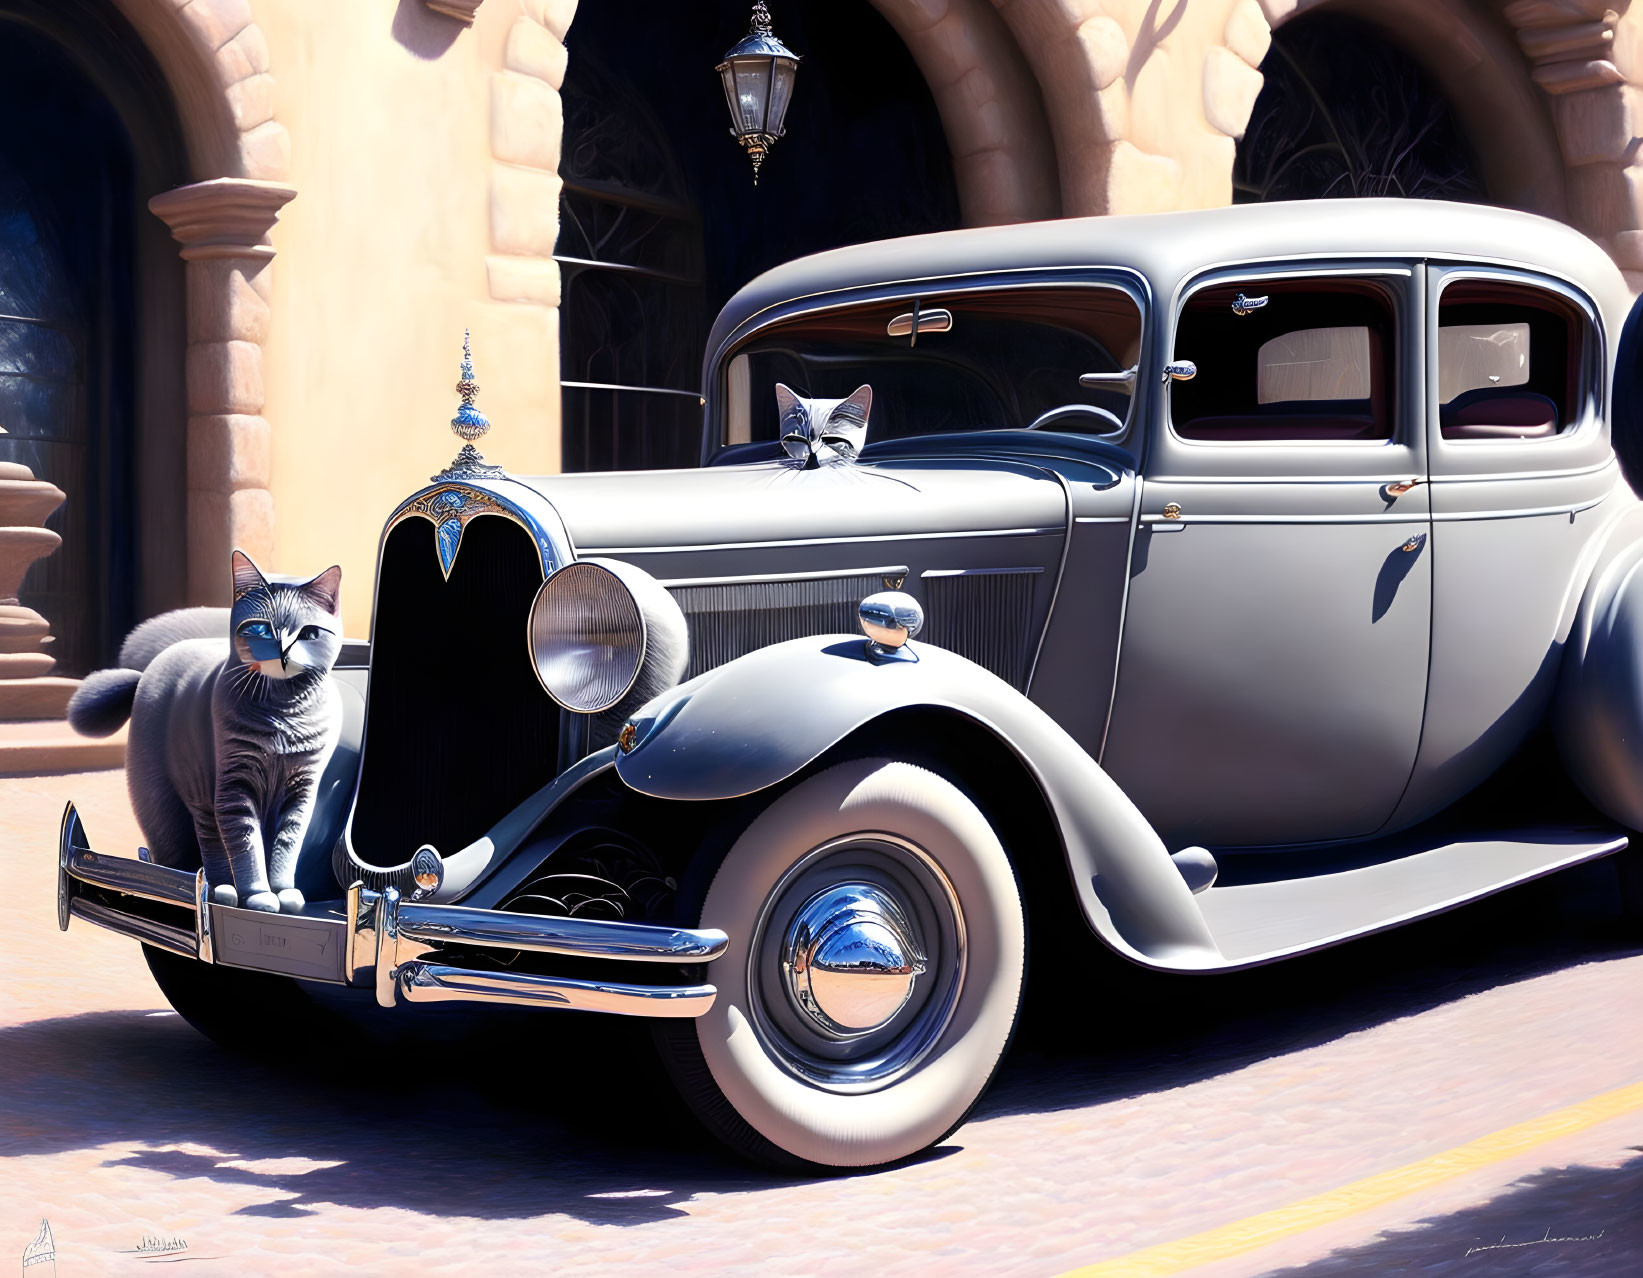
x=1287 y=360
x=1509 y=362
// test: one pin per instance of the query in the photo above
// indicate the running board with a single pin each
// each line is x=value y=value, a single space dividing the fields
x=1258 y=922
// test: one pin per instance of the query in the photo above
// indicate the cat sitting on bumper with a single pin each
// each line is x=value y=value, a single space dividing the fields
x=233 y=719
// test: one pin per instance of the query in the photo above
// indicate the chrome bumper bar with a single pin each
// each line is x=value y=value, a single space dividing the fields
x=378 y=939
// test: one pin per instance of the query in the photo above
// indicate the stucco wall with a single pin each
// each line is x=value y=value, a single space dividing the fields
x=423 y=155
x=380 y=265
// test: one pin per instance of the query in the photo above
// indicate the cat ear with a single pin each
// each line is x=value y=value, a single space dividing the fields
x=861 y=398
x=786 y=400
x=247 y=577
x=326 y=589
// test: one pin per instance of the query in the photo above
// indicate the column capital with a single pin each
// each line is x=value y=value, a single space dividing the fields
x=225 y=217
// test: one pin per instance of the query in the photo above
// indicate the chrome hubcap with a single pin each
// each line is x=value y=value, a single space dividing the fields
x=858 y=956
x=850 y=959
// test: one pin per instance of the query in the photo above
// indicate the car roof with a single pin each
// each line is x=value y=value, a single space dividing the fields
x=1168 y=247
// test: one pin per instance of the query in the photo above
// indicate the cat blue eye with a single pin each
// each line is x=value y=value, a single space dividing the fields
x=256 y=630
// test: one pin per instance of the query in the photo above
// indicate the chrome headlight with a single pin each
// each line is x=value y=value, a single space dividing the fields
x=587 y=637
x=600 y=627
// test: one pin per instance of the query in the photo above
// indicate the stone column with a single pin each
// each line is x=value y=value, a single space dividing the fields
x=223 y=226
x=25 y=691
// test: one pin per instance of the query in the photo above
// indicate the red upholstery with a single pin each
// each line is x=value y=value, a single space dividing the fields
x=1488 y=413
x=1281 y=426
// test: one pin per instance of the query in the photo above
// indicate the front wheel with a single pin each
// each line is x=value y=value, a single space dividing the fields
x=246 y=1012
x=873 y=976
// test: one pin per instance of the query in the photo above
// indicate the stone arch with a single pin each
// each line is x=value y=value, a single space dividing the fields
x=1082 y=59
x=1003 y=156
x=1555 y=117
x=1486 y=80
x=215 y=61
x=991 y=109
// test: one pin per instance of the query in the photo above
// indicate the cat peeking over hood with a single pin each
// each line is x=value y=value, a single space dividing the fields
x=233 y=719
x=820 y=432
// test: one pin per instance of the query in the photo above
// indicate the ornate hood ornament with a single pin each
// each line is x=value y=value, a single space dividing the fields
x=469 y=424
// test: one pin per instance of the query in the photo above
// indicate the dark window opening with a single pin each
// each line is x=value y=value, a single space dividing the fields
x=70 y=179
x=1314 y=363
x=1345 y=111
x=647 y=146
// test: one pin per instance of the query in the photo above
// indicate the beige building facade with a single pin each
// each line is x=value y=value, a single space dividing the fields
x=354 y=184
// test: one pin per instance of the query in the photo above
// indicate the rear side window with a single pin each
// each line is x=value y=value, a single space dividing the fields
x=1509 y=362
x=1301 y=360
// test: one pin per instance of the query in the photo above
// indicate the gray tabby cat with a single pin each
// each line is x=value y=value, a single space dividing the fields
x=227 y=747
x=820 y=432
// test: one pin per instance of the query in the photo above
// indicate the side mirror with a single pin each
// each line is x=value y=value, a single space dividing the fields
x=1181 y=370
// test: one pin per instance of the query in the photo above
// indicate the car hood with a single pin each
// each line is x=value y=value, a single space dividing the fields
x=770 y=503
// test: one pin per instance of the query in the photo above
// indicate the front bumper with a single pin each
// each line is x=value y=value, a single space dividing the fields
x=377 y=939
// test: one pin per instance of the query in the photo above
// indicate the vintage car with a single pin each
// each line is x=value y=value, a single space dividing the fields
x=1278 y=584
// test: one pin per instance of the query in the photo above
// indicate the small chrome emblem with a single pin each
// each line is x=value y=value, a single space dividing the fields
x=628 y=737
x=427 y=871
x=1173 y=510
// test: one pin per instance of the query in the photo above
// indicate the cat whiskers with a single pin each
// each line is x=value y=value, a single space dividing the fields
x=249 y=680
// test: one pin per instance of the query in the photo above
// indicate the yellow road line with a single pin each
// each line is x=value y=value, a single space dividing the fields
x=1373 y=1191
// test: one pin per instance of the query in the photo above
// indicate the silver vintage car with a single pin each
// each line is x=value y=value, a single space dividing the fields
x=1241 y=581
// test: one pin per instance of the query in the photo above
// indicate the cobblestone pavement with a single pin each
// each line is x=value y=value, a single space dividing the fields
x=542 y=1143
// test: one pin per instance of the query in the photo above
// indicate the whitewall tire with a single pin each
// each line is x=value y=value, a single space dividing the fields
x=873 y=976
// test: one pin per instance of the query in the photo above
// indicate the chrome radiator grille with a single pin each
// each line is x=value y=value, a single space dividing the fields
x=985 y=616
x=731 y=620
x=458 y=731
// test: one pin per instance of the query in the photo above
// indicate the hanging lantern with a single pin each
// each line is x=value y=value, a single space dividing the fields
x=758 y=77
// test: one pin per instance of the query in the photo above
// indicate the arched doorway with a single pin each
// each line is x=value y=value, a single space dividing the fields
x=90 y=313
x=661 y=222
x=1347 y=111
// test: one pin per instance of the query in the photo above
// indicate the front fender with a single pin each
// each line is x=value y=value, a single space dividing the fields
x=753 y=722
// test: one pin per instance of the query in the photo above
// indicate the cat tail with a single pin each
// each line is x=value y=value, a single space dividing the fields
x=103 y=702
x=157 y=634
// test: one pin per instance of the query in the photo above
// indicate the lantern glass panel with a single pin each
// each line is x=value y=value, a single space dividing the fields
x=781 y=90
x=752 y=93
x=728 y=75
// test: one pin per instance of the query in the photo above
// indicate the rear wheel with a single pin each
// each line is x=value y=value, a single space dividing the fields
x=873 y=976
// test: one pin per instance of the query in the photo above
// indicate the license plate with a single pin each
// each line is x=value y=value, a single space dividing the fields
x=289 y=944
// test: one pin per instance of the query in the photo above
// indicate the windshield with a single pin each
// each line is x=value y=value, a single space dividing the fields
x=947 y=362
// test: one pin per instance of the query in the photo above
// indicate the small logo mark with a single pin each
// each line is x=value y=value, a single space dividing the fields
x=152 y=1247
x=42 y=1251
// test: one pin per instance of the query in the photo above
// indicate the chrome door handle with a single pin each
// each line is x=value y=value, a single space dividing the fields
x=1401 y=487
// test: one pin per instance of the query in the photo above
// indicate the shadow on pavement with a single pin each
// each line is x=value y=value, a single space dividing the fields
x=503 y=1113
x=1110 y=1030
x=1570 y=1222
x=492 y=1120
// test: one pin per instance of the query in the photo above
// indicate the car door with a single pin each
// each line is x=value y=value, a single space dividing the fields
x=1272 y=673
x=1520 y=465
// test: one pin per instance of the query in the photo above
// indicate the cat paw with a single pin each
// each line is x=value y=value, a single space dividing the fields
x=224 y=894
x=264 y=901
x=291 y=900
